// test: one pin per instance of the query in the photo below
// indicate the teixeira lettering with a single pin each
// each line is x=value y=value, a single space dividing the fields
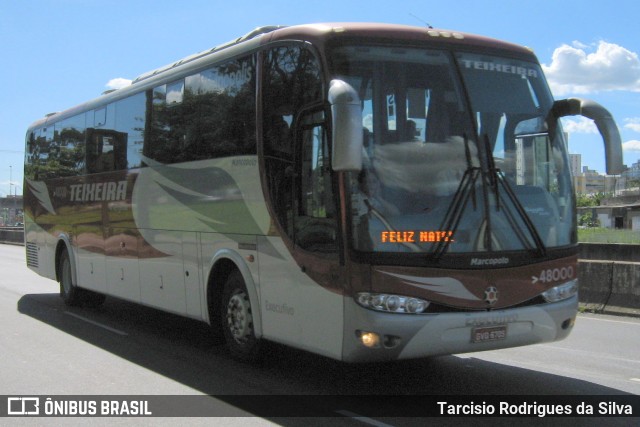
x=98 y=192
x=497 y=67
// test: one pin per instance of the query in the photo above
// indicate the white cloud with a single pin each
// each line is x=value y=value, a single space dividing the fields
x=118 y=83
x=633 y=124
x=633 y=145
x=579 y=125
x=579 y=45
x=367 y=121
x=610 y=67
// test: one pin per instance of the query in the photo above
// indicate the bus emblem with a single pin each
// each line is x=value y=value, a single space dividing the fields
x=491 y=295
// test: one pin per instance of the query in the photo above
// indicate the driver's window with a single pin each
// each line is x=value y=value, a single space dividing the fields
x=315 y=219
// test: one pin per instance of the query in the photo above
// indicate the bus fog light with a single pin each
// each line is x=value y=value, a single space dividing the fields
x=569 y=323
x=369 y=339
x=392 y=303
x=391 y=341
x=561 y=292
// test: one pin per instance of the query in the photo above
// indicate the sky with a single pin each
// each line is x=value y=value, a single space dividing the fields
x=59 y=53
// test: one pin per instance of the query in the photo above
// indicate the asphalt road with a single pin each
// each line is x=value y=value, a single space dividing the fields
x=47 y=349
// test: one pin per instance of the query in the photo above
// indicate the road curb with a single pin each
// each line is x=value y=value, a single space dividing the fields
x=608 y=309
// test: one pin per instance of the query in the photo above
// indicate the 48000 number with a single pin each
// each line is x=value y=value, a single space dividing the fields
x=554 y=275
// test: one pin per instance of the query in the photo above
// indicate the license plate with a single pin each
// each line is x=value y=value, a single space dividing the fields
x=490 y=333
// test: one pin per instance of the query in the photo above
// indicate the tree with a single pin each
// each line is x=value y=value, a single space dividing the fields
x=587 y=200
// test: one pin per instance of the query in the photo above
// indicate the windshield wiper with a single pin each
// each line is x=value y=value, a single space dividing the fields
x=492 y=170
x=493 y=178
x=496 y=180
x=533 y=231
x=465 y=191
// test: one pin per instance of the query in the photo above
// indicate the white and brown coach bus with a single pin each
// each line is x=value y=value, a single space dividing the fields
x=362 y=191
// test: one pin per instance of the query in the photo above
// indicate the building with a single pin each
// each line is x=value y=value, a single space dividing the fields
x=575 y=161
x=591 y=182
x=619 y=216
x=11 y=210
x=633 y=172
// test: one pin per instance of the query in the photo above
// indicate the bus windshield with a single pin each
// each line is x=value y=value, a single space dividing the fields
x=458 y=154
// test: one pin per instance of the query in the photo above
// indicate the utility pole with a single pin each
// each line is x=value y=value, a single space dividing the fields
x=12 y=215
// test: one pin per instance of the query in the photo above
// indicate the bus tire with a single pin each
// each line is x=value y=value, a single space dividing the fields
x=70 y=293
x=237 y=320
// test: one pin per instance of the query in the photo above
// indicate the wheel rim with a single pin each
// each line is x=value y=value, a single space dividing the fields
x=239 y=319
x=66 y=276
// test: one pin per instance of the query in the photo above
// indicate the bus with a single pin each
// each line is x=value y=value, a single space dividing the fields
x=366 y=192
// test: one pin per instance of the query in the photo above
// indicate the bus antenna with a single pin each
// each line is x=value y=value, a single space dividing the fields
x=422 y=20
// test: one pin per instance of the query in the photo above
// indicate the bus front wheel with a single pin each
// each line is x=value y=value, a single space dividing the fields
x=237 y=319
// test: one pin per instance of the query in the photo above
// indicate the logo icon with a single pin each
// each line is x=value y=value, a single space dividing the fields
x=491 y=295
x=23 y=406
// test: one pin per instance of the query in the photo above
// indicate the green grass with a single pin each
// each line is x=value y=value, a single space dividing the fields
x=607 y=235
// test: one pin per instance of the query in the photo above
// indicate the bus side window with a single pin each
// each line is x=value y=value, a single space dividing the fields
x=69 y=144
x=106 y=150
x=130 y=124
x=172 y=128
x=106 y=147
x=36 y=155
x=220 y=110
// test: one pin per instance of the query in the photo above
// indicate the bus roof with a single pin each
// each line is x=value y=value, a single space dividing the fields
x=250 y=35
x=316 y=33
x=392 y=32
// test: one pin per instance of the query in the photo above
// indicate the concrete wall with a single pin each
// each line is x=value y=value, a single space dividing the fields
x=12 y=235
x=609 y=277
x=610 y=286
x=609 y=274
x=609 y=252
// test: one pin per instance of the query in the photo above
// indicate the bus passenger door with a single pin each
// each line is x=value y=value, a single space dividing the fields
x=301 y=284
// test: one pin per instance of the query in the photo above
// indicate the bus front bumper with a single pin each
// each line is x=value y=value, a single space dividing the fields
x=375 y=336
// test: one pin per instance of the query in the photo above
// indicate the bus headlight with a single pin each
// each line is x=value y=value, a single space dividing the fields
x=564 y=291
x=392 y=303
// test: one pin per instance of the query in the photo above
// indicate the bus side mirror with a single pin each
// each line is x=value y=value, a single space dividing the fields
x=346 y=117
x=604 y=122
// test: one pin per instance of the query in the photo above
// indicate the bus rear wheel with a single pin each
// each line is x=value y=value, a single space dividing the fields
x=237 y=320
x=70 y=293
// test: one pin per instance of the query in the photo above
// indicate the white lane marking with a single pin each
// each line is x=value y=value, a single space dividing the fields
x=108 y=328
x=363 y=419
x=608 y=320
x=634 y=379
x=592 y=353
